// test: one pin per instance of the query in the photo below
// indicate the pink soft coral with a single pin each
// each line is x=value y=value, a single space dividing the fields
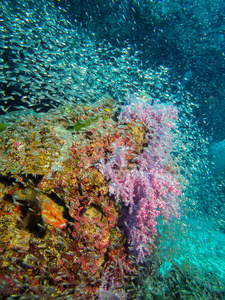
x=150 y=188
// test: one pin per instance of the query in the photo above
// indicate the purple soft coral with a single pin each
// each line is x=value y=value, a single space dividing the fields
x=150 y=188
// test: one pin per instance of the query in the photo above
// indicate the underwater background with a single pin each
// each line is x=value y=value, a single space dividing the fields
x=112 y=173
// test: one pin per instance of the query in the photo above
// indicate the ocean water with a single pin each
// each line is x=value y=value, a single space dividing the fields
x=112 y=175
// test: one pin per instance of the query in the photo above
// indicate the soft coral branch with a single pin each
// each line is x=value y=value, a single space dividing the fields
x=149 y=188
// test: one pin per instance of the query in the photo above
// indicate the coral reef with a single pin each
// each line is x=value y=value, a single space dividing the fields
x=81 y=189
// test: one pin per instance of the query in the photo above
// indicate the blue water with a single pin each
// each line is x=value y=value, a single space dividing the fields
x=62 y=53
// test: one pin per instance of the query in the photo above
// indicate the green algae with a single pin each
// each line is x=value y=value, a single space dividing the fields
x=85 y=123
x=3 y=126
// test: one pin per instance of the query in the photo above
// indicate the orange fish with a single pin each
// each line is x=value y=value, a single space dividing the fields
x=51 y=212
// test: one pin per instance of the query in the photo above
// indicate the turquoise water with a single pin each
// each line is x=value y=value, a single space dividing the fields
x=58 y=56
